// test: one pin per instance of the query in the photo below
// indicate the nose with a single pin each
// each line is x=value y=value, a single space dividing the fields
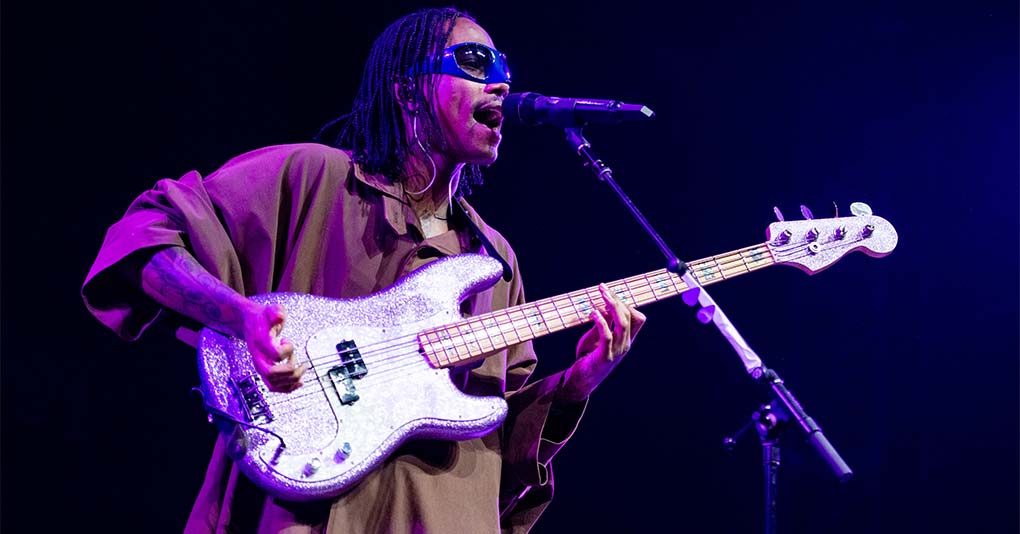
x=500 y=89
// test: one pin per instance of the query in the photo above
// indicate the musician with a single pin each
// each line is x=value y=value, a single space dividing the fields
x=345 y=222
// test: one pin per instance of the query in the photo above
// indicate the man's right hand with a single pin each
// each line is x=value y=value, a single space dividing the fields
x=175 y=279
x=272 y=355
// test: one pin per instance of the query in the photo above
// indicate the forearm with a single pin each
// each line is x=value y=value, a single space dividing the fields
x=174 y=278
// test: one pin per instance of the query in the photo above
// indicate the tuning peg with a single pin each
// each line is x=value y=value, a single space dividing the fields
x=860 y=209
x=779 y=214
x=784 y=237
x=806 y=212
x=835 y=209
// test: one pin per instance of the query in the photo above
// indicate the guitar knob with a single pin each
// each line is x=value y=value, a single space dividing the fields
x=840 y=232
x=812 y=234
x=868 y=230
x=806 y=212
x=312 y=467
x=343 y=452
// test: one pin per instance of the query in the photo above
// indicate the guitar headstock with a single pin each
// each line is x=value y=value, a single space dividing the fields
x=815 y=244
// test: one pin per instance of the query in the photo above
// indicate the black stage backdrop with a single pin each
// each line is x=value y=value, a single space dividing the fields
x=908 y=362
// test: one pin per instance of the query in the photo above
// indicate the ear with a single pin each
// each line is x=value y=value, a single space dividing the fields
x=404 y=93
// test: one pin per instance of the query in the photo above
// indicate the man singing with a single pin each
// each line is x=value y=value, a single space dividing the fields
x=345 y=222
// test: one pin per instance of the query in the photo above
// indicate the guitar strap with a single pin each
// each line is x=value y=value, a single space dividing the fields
x=491 y=250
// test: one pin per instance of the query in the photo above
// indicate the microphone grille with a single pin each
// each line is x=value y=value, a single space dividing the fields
x=519 y=108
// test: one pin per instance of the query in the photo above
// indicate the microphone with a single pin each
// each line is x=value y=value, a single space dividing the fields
x=532 y=109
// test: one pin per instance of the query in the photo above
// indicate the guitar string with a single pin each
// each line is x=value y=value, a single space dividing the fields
x=405 y=359
x=413 y=358
x=586 y=292
x=383 y=374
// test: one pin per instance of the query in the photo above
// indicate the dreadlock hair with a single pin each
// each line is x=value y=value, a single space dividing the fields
x=374 y=129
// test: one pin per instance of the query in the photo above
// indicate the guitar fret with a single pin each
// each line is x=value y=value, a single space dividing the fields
x=493 y=335
x=490 y=323
x=759 y=254
x=534 y=318
x=583 y=301
x=722 y=263
x=494 y=331
x=480 y=336
x=528 y=332
x=545 y=315
x=449 y=344
x=471 y=340
x=661 y=287
x=442 y=352
x=620 y=294
x=513 y=324
x=556 y=308
x=707 y=271
x=467 y=337
x=743 y=261
x=428 y=345
x=646 y=292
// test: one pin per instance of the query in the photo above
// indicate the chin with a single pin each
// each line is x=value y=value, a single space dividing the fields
x=485 y=157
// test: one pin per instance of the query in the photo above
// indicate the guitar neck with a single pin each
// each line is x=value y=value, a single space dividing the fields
x=477 y=337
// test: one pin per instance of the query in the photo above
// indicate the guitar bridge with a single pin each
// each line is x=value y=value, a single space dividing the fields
x=351 y=368
x=251 y=391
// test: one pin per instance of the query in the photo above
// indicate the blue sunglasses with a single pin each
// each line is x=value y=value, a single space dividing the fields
x=471 y=61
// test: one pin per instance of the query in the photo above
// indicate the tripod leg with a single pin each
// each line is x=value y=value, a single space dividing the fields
x=770 y=460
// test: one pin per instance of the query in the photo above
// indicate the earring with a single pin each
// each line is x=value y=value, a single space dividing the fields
x=414 y=130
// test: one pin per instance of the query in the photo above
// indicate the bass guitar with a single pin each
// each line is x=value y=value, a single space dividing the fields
x=378 y=366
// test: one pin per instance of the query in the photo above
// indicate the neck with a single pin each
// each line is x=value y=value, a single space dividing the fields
x=429 y=199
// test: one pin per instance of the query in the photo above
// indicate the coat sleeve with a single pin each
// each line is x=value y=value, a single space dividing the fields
x=536 y=428
x=173 y=213
x=234 y=223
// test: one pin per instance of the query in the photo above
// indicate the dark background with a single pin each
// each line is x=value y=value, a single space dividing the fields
x=909 y=362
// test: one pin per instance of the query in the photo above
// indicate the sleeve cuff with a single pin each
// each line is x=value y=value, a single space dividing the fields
x=539 y=429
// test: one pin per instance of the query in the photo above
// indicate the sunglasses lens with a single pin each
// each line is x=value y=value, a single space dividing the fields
x=475 y=60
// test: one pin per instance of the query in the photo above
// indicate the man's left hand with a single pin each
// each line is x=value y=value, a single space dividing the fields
x=600 y=349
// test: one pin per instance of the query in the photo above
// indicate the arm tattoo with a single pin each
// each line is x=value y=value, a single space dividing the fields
x=175 y=279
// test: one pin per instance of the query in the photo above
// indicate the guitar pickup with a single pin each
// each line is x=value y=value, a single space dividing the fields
x=251 y=390
x=351 y=368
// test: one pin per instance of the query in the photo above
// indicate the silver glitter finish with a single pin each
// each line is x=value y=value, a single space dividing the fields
x=331 y=445
x=835 y=238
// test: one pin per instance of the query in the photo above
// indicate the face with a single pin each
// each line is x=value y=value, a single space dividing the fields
x=469 y=112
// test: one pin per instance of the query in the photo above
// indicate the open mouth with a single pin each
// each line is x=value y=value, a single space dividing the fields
x=491 y=117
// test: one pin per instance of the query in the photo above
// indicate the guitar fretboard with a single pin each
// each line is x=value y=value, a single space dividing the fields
x=474 y=338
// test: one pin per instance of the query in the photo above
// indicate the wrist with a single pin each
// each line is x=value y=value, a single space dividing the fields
x=570 y=391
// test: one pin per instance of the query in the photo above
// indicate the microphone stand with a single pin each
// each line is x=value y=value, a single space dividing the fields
x=770 y=419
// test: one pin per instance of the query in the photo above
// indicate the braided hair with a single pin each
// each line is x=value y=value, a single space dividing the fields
x=374 y=130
